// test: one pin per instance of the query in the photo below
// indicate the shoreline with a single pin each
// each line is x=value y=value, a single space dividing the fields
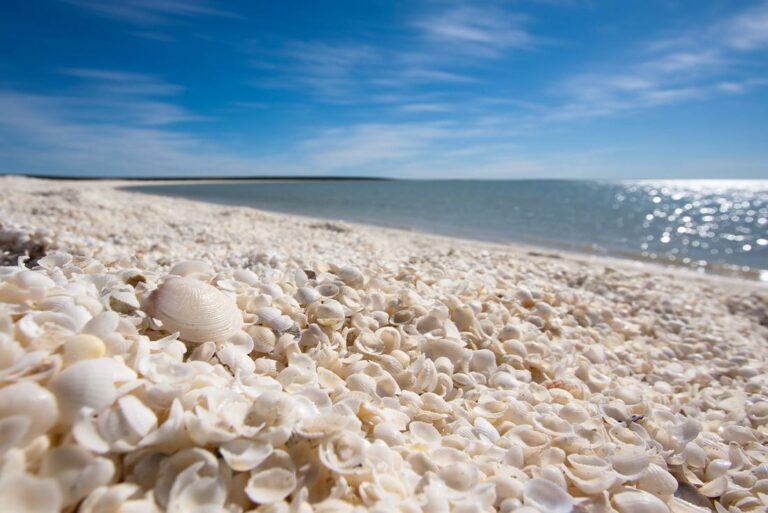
x=551 y=249
x=536 y=251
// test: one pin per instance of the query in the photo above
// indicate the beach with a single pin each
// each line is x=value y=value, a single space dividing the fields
x=361 y=367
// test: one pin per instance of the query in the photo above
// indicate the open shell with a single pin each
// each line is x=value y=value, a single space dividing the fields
x=546 y=496
x=28 y=400
x=270 y=485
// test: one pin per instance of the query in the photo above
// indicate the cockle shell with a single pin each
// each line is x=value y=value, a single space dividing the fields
x=639 y=502
x=715 y=488
x=29 y=401
x=191 y=267
x=630 y=463
x=243 y=455
x=263 y=338
x=87 y=383
x=77 y=471
x=23 y=493
x=197 y=310
x=658 y=481
x=270 y=485
x=459 y=477
x=329 y=314
x=274 y=318
x=83 y=347
x=307 y=295
x=343 y=453
x=716 y=468
x=546 y=496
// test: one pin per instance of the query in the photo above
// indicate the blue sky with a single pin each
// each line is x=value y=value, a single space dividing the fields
x=418 y=89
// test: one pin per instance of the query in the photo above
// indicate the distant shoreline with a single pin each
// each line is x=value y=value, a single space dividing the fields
x=205 y=178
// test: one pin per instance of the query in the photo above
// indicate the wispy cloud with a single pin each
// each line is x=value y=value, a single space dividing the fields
x=410 y=149
x=109 y=95
x=425 y=107
x=439 y=50
x=37 y=135
x=749 y=29
x=123 y=83
x=347 y=73
x=150 y=12
x=484 y=30
x=115 y=123
x=675 y=70
x=363 y=145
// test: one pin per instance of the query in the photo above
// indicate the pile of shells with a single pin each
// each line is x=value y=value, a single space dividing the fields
x=284 y=388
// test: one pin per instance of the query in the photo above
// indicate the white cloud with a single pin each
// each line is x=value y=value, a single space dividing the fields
x=37 y=137
x=749 y=29
x=677 y=70
x=362 y=145
x=149 y=12
x=425 y=107
x=112 y=124
x=123 y=83
x=481 y=30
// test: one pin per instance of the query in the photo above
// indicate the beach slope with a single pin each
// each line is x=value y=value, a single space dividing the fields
x=250 y=358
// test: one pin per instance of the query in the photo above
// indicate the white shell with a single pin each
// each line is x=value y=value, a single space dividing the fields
x=243 y=455
x=102 y=324
x=22 y=493
x=658 y=481
x=546 y=496
x=715 y=488
x=630 y=464
x=88 y=383
x=190 y=267
x=33 y=402
x=83 y=347
x=76 y=471
x=343 y=453
x=639 y=502
x=197 y=310
x=306 y=295
x=329 y=314
x=274 y=318
x=270 y=485
x=263 y=338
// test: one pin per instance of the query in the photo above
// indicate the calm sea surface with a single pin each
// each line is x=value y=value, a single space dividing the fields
x=713 y=224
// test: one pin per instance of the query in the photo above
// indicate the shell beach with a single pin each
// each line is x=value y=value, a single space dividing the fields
x=161 y=354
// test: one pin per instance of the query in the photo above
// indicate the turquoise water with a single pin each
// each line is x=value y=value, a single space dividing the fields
x=705 y=224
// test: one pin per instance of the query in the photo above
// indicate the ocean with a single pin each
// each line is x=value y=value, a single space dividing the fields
x=719 y=225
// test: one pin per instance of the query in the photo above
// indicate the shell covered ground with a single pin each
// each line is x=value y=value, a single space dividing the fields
x=161 y=354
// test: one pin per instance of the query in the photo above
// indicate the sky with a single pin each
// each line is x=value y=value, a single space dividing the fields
x=407 y=89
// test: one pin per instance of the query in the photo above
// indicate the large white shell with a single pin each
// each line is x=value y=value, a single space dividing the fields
x=197 y=310
x=546 y=496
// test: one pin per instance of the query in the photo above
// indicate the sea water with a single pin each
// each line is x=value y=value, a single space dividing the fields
x=705 y=224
